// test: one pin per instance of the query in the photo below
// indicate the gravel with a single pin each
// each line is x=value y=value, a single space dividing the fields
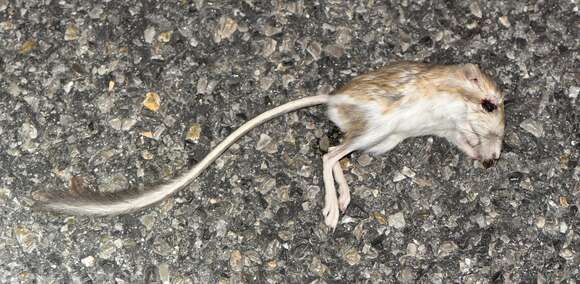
x=74 y=83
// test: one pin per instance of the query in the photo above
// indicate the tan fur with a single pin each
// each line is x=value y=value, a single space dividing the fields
x=354 y=120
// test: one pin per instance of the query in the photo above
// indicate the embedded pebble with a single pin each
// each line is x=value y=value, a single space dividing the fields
x=267 y=186
x=407 y=275
x=287 y=79
x=504 y=20
x=147 y=134
x=162 y=247
x=527 y=184
x=567 y=254
x=27 y=46
x=312 y=192
x=573 y=92
x=148 y=221
x=270 y=30
x=122 y=124
x=152 y=101
x=398 y=176
x=5 y=194
x=533 y=127
x=14 y=89
x=315 y=49
x=194 y=132
x=344 y=36
x=352 y=257
x=397 y=220
x=380 y=218
x=411 y=250
x=96 y=12
x=269 y=47
x=33 y=102
x=202 y=85
x=28 y=132
x=447 y=248
x=251 y=258
x=317 y=267
x=266 y=83
x=105 y=103
x=359 y=231
x=475 y=9
x=149 y=34
x=272 y=249
x=88 y=261
x=164 y=273
x=68 y=87
x=265 y=144
x=364 y=160
x=404 y=40
x=271 y=265
x=225 y=29
x=107 y=249
x=408 y=172
x=113 y=182
x=236 y=261
x=164 y=37
x=334 y=50
x=563 y=227
x=540 y=222
x=564 y=202
x=25 y=238
x=71 y=33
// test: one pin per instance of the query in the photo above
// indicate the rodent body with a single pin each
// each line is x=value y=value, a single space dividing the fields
x=376 y=111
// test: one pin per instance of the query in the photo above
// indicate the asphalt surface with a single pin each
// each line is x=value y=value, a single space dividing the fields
x=121 y=94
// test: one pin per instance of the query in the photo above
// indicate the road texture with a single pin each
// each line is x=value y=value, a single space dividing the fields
x=108 y=95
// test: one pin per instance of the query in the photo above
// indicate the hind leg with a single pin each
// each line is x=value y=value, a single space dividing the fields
x=331 y=205
x=387 y=144
x=343 y=189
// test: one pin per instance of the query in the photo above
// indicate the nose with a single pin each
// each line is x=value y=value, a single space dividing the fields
x=488 y=163
x=494 y=157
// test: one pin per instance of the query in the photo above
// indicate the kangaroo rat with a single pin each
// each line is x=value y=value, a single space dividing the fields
x=376 y=111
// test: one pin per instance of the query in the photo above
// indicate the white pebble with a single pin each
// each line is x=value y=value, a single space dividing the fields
x=88 y=261
x=149 y=34
x=397 y=220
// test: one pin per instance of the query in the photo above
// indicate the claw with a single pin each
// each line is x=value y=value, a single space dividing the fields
x=343 y=202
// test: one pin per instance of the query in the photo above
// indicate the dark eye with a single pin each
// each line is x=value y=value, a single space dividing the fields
x=488 y=106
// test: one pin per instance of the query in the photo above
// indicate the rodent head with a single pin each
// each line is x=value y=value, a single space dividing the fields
x=480 y=135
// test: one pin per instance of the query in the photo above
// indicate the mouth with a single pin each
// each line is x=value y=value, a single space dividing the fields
x=488 y=163
x=471 y=146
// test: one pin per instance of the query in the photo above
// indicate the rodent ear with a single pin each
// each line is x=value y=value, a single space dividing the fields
x=471 y=71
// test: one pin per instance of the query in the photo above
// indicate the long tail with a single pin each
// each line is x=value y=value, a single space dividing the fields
x=101 y=204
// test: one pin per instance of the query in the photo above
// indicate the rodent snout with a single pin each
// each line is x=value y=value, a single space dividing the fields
x=493 y=157
x=491 y=162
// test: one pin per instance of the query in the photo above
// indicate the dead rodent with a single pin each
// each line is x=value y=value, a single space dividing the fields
x=376 y=111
